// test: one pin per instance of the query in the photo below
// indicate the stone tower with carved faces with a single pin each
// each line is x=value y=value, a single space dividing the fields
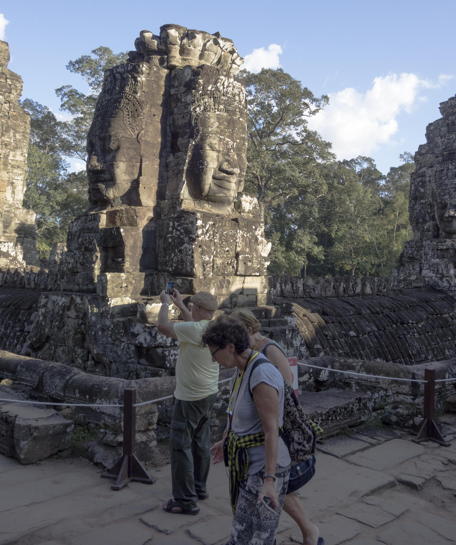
x=166 y=166
x=17 y=225
x=430 y=258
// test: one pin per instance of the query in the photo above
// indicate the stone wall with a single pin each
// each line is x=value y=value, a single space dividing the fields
x=327 y=286
x=78 y=329
x=121 y=340
x=17 y=228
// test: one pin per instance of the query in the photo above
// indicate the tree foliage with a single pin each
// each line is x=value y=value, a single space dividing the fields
x=54 y=193
x=81 y=105
x=323 y=216
x=284 y=158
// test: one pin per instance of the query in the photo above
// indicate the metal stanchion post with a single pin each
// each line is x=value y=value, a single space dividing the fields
x=430 y=429
x=128 y=468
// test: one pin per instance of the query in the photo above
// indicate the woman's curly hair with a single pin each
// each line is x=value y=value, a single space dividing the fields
x=227 y=330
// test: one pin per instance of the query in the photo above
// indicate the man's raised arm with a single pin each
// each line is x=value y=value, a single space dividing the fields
x=164 y=325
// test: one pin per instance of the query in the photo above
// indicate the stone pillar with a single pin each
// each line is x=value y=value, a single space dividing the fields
x=17 y=227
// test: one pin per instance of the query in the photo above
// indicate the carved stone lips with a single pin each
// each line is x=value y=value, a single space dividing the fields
x=227 y=177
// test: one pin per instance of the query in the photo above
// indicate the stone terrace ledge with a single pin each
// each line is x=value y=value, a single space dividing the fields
x=374 y=486
x=39 y=380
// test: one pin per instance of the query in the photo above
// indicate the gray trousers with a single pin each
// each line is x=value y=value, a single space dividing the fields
x=190 y=444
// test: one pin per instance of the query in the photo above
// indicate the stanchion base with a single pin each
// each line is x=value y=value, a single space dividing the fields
x=430 y=431
x=127 y=469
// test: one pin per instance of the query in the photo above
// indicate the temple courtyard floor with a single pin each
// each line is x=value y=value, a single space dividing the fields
x=373 y=486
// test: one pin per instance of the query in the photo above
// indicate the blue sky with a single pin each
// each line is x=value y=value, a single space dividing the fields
x=386 y=65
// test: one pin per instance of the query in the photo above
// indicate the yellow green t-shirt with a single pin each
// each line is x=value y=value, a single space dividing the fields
x=196 y=374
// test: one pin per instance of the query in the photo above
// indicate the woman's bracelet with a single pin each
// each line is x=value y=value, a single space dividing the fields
x=269 y=476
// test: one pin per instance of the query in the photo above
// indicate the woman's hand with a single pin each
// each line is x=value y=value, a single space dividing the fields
x=268 y=490
x=217 y=452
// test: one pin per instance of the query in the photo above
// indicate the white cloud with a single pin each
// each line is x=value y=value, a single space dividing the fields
x=76 y=165
x=263 y=57
x=3 y=22
x=357 y=123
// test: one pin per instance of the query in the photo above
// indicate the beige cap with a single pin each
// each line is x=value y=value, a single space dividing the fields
x=205 y=300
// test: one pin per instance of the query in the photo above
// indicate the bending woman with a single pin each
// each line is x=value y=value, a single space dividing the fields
x=258 y=458
x=274 y=352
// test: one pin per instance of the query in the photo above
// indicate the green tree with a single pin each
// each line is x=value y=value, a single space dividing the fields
x=56 y=195
x=363 y=218
x=81 y=105
x=323 y=216
x=396 y=229
x=348 y=219
x=284 y=158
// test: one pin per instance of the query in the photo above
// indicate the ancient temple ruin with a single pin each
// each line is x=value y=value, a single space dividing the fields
x=17 y=224
x=166 y=166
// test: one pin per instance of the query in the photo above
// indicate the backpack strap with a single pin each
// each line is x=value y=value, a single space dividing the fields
x=273 y=343
x=258 y=361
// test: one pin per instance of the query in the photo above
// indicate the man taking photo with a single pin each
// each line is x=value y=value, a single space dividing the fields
x=196 y=388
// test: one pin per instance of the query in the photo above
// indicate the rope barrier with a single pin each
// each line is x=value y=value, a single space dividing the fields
x=364 y=375
x=158 y=400
x=143 y=403
x=118 y=405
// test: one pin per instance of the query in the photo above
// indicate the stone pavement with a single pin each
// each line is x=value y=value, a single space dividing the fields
x=373 y=486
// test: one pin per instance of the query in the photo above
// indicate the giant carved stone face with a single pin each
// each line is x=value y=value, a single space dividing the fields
x=114 y=144
x=208 y=135
x=445 y=213
x=217 y=163
x=113 y=169
x=444 y=195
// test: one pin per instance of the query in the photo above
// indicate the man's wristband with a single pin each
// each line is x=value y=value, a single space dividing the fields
x=269 y=476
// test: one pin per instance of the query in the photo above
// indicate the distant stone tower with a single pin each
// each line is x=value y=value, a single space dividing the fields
x=430 y=258
x=17 y=225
